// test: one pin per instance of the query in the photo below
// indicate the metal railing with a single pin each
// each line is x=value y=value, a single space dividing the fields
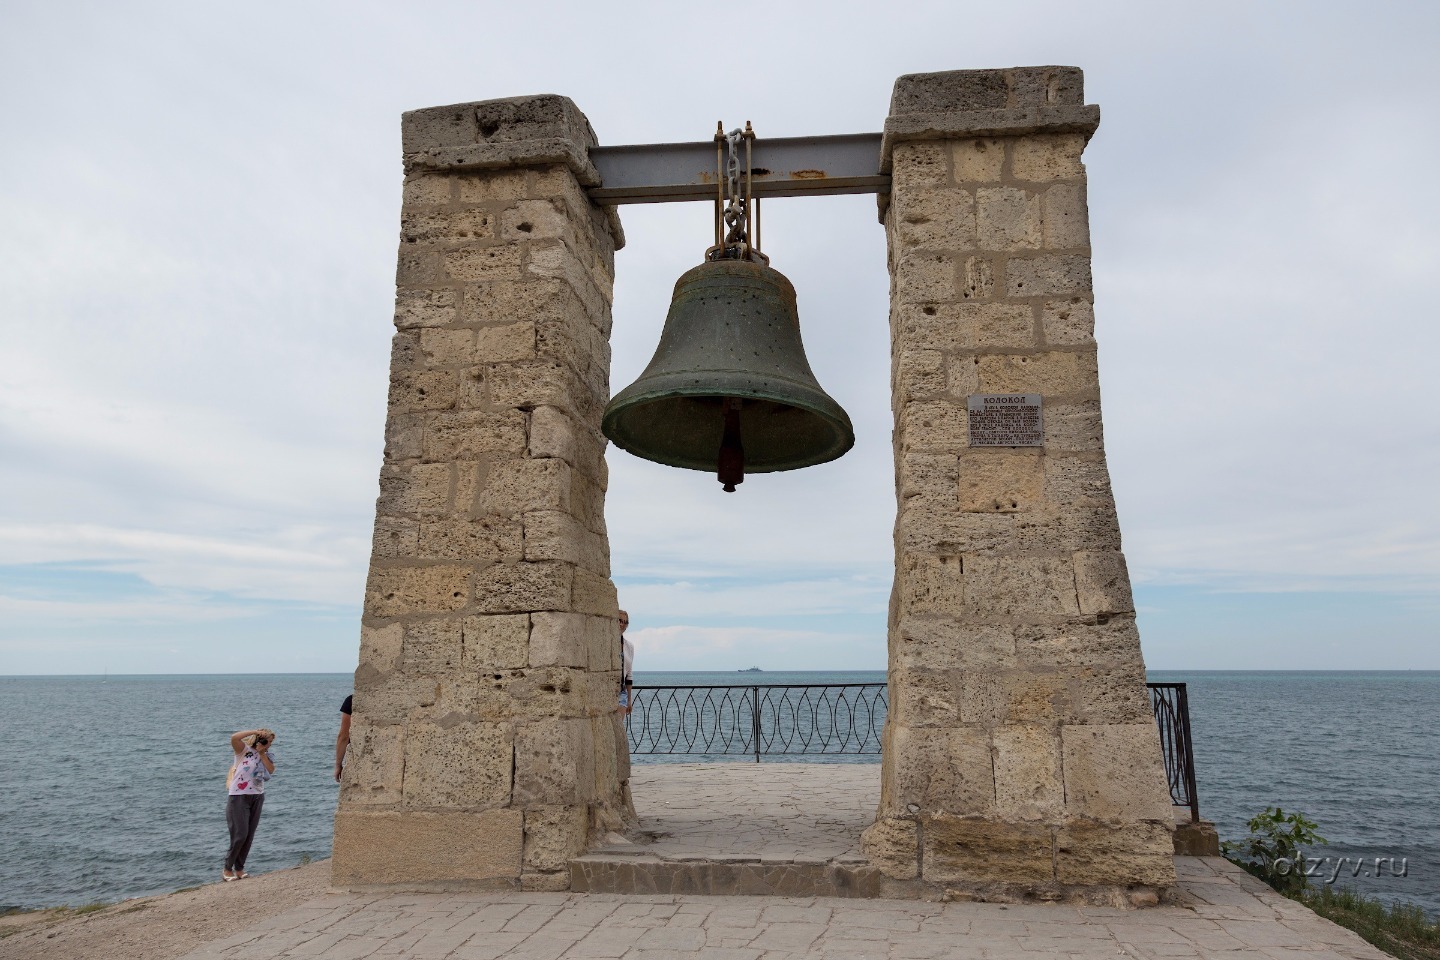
x=1172 y=715
x=834 y=719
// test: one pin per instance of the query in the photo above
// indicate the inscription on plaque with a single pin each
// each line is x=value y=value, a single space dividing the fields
x=1005 y=420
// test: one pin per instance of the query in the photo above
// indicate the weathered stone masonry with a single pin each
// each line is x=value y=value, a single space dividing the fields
x=483 y=744
x=1020 y=750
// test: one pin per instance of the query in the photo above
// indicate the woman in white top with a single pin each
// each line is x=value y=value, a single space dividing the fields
x=246 y=785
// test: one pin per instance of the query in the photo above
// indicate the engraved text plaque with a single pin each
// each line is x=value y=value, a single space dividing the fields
x=1005 y=420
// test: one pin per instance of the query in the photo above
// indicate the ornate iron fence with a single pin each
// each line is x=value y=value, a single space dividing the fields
x=834 y=719
x=1172 y=715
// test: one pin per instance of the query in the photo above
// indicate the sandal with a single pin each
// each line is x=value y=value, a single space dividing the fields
x=241 y=875
x=227 y=876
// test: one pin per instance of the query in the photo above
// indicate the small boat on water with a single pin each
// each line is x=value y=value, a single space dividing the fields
x=751 y=670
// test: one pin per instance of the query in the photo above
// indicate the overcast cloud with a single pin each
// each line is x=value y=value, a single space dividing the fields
x=198 y=218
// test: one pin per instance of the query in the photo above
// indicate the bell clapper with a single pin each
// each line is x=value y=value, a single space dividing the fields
x=732 y=454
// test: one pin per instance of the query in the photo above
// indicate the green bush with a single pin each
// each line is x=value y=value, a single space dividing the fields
x=1274 y=849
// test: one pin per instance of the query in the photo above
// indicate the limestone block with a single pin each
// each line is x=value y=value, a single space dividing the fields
x=1088 y=642
x=932 y=426
x=554 y=434
x=431 y=646
x=1001 y=481
x=1050 y=275
x=1065 y=217
x=517 y=301
x=511 y=695
x=1007 y=218
x=594 y=594
x=447 y=227
x=500 y=186
x=962 y=376
x=1100 y=853
x=539 y=383
x=559 y=639
x=602 y=640
x=967 y=326
x=524 y=587
x=514 y=341
x=515 y=486
x=1044 y=157
x=554 y=762
x=915 y=166
x=420 y=490
x=403 y=436
x=374 y=765
x=425 y=308
x=939 y=643
x=587 y=500
x=942 y=771
x=1114 y=772
x=391 y=698
x=380 y=646
x=950 y=90
x=422 y=390
x=425 y=188
x=405 y=351
x=491 y=642
x=932 y=476
x=919 y=375
x=559 y=536
x=1073 y=482
x=375 y=847
x=447 y=348
x=536 y=220
x=977 y=850
x=554 y=835
x=927 y=584
x=893 y=847
x=474 y=264
x=395 y=537
x=1044 y=373
x=977 y=159
x=922 y=277
x=481 y=541
x=551 y=258
x=1028 y=780
x=1102 y=582
x=921 y=529
x=1035 y=696
x=926 y=698
x=464 y=436
x=1026 y=588
x=935 y=219
x=465 y=765
x=1068 y=322
x=402 y=591
x=977 y=278
x=419 y=265
x=1115 y=694
x=1073 y=425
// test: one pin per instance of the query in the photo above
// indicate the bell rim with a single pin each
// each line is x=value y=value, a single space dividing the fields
x=843 y=432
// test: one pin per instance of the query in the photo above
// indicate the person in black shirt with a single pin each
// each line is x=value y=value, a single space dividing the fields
x=342 y=739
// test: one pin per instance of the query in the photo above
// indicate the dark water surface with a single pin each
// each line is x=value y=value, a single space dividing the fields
x=113 y=787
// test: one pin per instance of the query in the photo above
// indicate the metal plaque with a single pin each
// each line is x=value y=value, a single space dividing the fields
x=1005 y=420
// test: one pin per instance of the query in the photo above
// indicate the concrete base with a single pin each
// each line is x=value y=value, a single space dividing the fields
x=1196 y=838
x=781 y=829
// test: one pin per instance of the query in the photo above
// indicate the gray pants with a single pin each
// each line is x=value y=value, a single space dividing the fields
x=242 y=815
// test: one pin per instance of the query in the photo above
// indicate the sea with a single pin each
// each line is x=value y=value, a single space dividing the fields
x=113 y=786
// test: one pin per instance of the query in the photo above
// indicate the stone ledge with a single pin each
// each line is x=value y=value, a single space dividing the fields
x=997 y=122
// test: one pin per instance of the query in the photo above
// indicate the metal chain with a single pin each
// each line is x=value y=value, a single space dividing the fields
x=737 y=217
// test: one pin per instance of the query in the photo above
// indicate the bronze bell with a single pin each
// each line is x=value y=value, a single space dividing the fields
x=729 y=388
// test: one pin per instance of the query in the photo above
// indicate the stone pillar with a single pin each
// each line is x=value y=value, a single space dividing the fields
x=482 y=743
x=1021 y=757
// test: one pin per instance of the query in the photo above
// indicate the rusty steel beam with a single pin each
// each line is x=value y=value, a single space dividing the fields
x=784 y=167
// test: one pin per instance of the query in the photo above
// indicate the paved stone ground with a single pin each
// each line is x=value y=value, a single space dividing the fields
x=1219 y=912
x=785 y=811
x=774 y=812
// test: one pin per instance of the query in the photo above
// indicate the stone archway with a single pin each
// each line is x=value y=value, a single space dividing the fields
x=1019 y=751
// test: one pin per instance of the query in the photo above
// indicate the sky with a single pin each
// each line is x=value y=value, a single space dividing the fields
x=199 y=212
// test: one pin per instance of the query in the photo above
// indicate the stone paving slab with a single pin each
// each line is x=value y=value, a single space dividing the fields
x=1217 y=911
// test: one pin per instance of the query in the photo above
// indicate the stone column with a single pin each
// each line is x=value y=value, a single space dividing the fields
x=1021 y=757
x=482 y=743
